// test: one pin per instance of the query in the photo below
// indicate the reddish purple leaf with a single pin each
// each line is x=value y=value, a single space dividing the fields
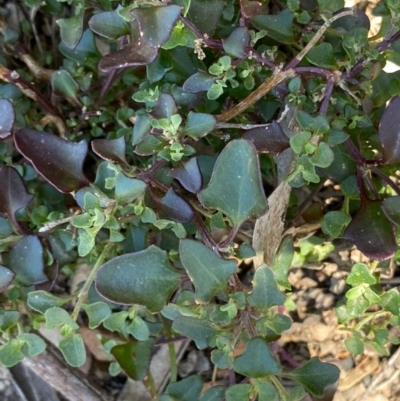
x=249 y=8
x=7 y=117
x=372 y=232
x=188 y=175
x=173 y=207
x=13 y=193
x=270 y=139
x=59 y=161
x=111 y=149
x=389 y=132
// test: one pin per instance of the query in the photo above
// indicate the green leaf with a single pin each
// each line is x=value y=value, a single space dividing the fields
x=83 y=220
x=97 y=313
x=266 y=391
x=265 y=290
x=235 y=188
x=315 y=376
x=145 y=278
x=109 y=24
x=317 y=125
x=354 y=345
x=205 y=14
x=299 y=140
x=40 y=301
x=334 y=223
x=297 y=393
x=238 y=392
x=9 y=319
x=116 y=322
x=256 y=360
x=215 y=393
x=71 y=29
x=156 y=23
x=26 y=261
x=200 y=331
x=208 y=272
x=323 y=156
x=134 y=358
x=237 y=42
x=73 y=350
x=360 y=274
x=64 y=85
x=188 y=389
x=128 y=189
x=390 y=301
x=215 y=91
x=391 y=208
x=10 y=353
x=322 y=56
x=56 y=316
x=199 y=124
x=141 y=128
x=6 y=278
x=34 y=345
x=278 y=27
x=282 y=262
x=138 y=329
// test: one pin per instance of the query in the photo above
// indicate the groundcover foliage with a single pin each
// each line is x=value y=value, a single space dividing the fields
x=144 y=129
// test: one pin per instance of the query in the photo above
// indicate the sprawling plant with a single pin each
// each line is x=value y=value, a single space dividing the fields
x=167 y=121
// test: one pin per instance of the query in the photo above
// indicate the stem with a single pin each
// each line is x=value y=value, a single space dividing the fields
x=327 y=96
x=148 y=381
x=229 y=239
x=368 y=318
x=214 y=44
x=262 y=60
x=249 y=326
x=205 y=235
x=295 y=61
x=281 y=390
x=85 y=289
x=152 y=170
x=324 y=72
x=172 y=363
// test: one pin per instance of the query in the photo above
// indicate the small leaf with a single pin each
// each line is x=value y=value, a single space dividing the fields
x=175 y=208
x=14 y=195
x=205 y=14
x=116 y=322
x=282 y=262
x=141 y=128
x=266 y=391
x=208 y=272
x=237 y=42
x=165 y=107
x=9 y=319
x=26 y=260
x=188 y=175
x=145 y=278
x=6 y=278
x=334 y=223
x=215 y=393
x=10 y=353
x=270 y=139
x=156 y=23
x=315 y=376
x=138 y=329
x=256 y=360
x=56 y=316
x=40 y=301
x=7 y=118
x=265 y=290
x=372 y=232
x=34 y=344
x=134 y=358
x=200 y=331
x=109 y=24
x=188 y=389
x=360 y=274
x=112 y=150
x=390 y=301
x=73 y=350
x=323 y=156
x=322 y=56
x=235 y=188
x=97 y=313
x=389 y=132
x=71 y=30
x=354 y=345
x=238 y=392
x=278 y=27
x=199 y=125
x=64 y=85
x=128 y=189
x=59 y=161
x=199 y=82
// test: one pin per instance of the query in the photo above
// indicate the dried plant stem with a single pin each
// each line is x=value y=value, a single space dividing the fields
x=279 y=75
